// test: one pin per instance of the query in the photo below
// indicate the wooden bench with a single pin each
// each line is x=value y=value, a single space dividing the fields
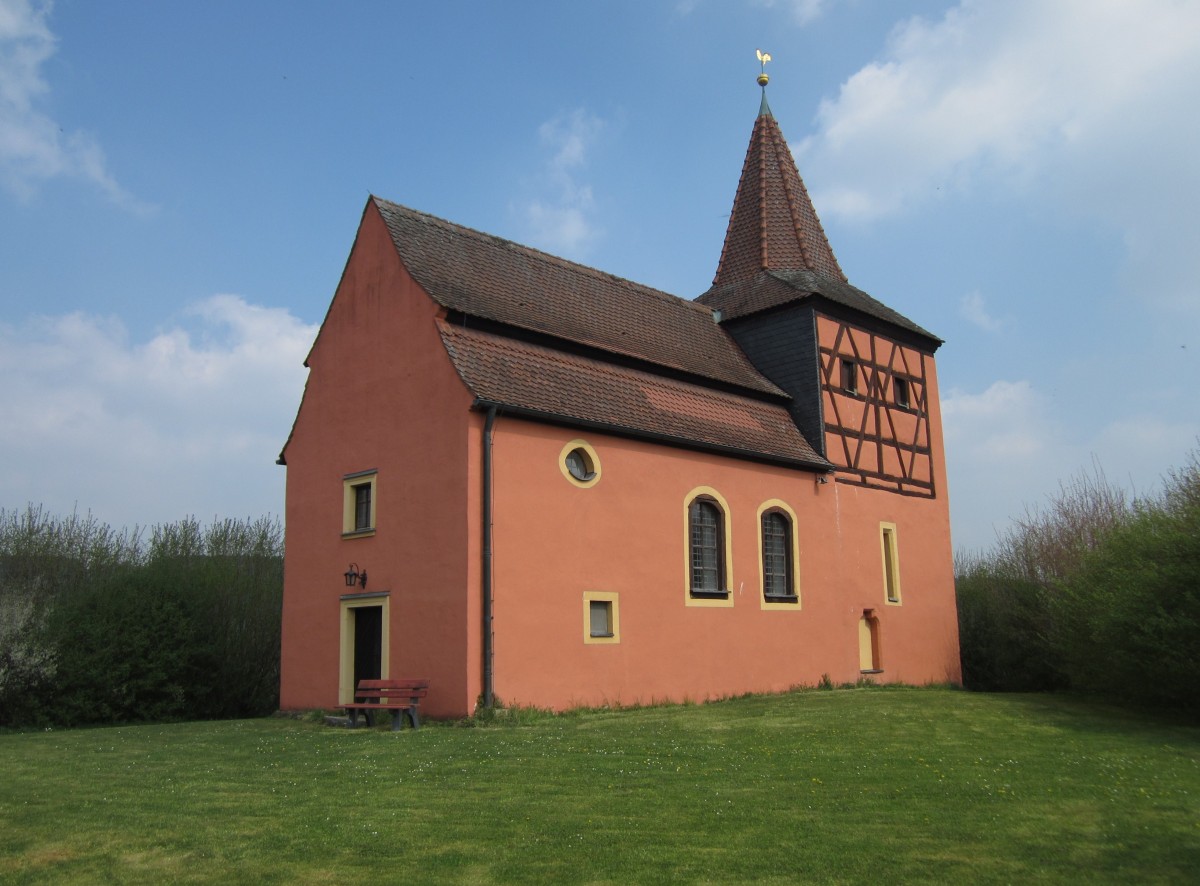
x=401 y=697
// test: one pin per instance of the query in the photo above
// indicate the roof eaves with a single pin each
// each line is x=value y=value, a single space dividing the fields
x=483 y=404
x=769 y=391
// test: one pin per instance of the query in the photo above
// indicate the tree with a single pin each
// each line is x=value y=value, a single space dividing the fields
x=1129 y=616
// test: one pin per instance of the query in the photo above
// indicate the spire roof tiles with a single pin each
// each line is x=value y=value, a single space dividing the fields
x=773 y=226
x=776 y=251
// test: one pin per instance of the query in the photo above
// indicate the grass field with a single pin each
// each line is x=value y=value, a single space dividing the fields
x=848 y=786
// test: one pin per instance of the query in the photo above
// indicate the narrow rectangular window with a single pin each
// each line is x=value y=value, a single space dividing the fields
x=359 y=503
x=777 y=556
x=850 y=376
x=891 y=565
x=362 y=506
x=708 y=546
x=900 y=390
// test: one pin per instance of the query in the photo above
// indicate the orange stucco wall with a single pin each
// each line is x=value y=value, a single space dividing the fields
x=625 y=535
x=380 y=395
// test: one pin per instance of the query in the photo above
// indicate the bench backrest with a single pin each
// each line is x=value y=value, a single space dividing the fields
x=411 y=689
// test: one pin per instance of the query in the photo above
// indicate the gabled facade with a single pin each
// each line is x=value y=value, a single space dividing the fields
x=565 y=488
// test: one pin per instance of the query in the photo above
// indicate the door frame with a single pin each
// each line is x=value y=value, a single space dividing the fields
x=351 y=602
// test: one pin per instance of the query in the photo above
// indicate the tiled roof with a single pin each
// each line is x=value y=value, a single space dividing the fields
x=542 y=382
x=488 y=277
x=774 y=288
x=773 y=225
x=776 y=251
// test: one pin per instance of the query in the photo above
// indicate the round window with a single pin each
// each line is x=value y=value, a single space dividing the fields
x=579 y=465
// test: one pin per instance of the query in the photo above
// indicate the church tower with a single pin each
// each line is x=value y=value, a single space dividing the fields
x=858 y=372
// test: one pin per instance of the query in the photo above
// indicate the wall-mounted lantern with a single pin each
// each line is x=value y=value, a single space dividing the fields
x=354 y=577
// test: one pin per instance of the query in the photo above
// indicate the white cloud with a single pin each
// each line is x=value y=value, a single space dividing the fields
x=1085 y=97
x=188 y=422
x=1001 y=445
x=1004 y=425
x=1079 y=114
x=33 y=146
x=561 y=221
x=1011 y=445
x=973 y=310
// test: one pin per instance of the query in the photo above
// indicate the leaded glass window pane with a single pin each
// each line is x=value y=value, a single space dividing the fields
x=362 y=506
x=776 y=543
x=707 y=545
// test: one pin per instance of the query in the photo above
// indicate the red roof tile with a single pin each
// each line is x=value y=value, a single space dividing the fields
x=770 y=289
x=775 y=250
x=773 y=225
x=485 y=276
x=553 y=385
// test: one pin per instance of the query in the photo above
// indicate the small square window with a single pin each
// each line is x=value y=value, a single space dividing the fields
x=900 y=391
x=601 y=619
x=850 y=376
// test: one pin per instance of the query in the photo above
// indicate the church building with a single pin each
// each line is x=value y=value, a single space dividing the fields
x=536 y=483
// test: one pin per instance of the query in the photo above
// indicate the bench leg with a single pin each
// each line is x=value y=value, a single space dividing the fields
x=353 y=715
x=411 y=713
x=397 y=720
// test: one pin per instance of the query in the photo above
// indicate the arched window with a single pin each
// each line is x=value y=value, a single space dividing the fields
x=869 y=661
x=777 y=557
x=706 y=531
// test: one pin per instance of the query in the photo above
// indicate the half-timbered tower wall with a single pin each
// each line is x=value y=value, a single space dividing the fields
x=875 y=394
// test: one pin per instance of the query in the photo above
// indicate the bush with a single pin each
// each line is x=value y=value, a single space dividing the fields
x=1006 y=611
x=232 y=575
x=127 y=652
x=186 y=626
x=1129 y=617
x=1004 y=632
x=27 y=660
x=1096 y=592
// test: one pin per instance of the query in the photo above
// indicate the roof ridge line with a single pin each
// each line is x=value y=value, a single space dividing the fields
x=533 y=251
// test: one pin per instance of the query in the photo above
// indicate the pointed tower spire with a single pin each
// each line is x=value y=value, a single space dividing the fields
x=773 y=226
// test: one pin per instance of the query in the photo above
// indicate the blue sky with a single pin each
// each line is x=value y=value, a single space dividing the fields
x=180 y=185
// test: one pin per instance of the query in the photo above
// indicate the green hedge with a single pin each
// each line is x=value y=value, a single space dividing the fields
x=1129 y=619
x=117 y=628
x=1095 y=593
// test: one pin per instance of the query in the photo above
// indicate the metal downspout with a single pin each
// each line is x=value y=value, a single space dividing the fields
x=489 y=694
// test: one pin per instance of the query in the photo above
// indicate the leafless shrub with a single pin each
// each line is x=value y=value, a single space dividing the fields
x=1047 y=543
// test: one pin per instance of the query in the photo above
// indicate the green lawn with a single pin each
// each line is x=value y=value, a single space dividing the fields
x=850 y=786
